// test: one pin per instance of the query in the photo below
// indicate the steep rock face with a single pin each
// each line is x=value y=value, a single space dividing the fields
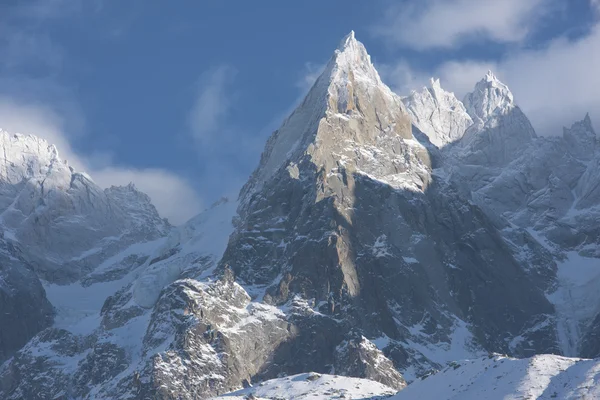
x=438 y=114
x=354 y=223
x=581 y=140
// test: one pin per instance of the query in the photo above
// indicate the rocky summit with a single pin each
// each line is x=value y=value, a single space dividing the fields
x=381 y=239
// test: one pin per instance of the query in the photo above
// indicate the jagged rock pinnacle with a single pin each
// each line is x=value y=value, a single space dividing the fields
x=490 y=97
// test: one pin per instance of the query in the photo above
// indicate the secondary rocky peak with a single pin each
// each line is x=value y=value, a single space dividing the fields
x=490 y=97
x=438 y=114
x=581 y=138
x=490 y=77
x=501 y=131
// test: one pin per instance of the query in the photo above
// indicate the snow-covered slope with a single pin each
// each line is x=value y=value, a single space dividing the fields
x=97 y=344
x=541 y=377
x=315 y=387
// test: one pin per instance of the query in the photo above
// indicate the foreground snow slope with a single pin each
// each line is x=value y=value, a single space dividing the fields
x=315 y=387
x=498 y=377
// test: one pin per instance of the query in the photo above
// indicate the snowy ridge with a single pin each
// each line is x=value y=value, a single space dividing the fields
x=542 y=377
x=313 y=386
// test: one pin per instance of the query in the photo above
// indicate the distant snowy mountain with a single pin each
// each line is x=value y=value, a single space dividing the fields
x=381 y=239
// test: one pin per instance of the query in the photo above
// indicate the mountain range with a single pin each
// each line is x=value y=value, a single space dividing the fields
x=423 y=245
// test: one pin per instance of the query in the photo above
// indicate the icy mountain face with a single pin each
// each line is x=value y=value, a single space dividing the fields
x=133 y=317
x=544 y=193
x=66 y=246
x=438 y=114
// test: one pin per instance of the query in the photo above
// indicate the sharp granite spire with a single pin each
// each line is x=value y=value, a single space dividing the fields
x=348 y=88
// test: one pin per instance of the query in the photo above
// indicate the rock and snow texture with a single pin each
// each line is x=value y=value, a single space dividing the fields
x=314 y=386
x=542 y=377
x=438 y=114
x=363 y=245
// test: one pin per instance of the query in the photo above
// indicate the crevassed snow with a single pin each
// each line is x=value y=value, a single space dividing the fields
x=315 y=387
x=502 y=378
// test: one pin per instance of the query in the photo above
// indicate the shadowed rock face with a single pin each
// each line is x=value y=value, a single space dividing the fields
x=24 y=309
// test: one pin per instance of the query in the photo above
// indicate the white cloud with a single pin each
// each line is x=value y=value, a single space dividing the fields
x=226 y=152
x=173 y=196
x=448 y=23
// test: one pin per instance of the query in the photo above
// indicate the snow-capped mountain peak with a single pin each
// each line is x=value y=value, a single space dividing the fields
x=581 y=139
x=351 y=57
x=490 y=98
x=348 y=88
x=26 y=157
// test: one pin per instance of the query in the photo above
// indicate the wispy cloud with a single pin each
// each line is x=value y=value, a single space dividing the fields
x=208 y=116
x=226 y=151
x=449 y=23
x=309 y=76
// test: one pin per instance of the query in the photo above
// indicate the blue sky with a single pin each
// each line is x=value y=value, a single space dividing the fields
x=181 y=98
